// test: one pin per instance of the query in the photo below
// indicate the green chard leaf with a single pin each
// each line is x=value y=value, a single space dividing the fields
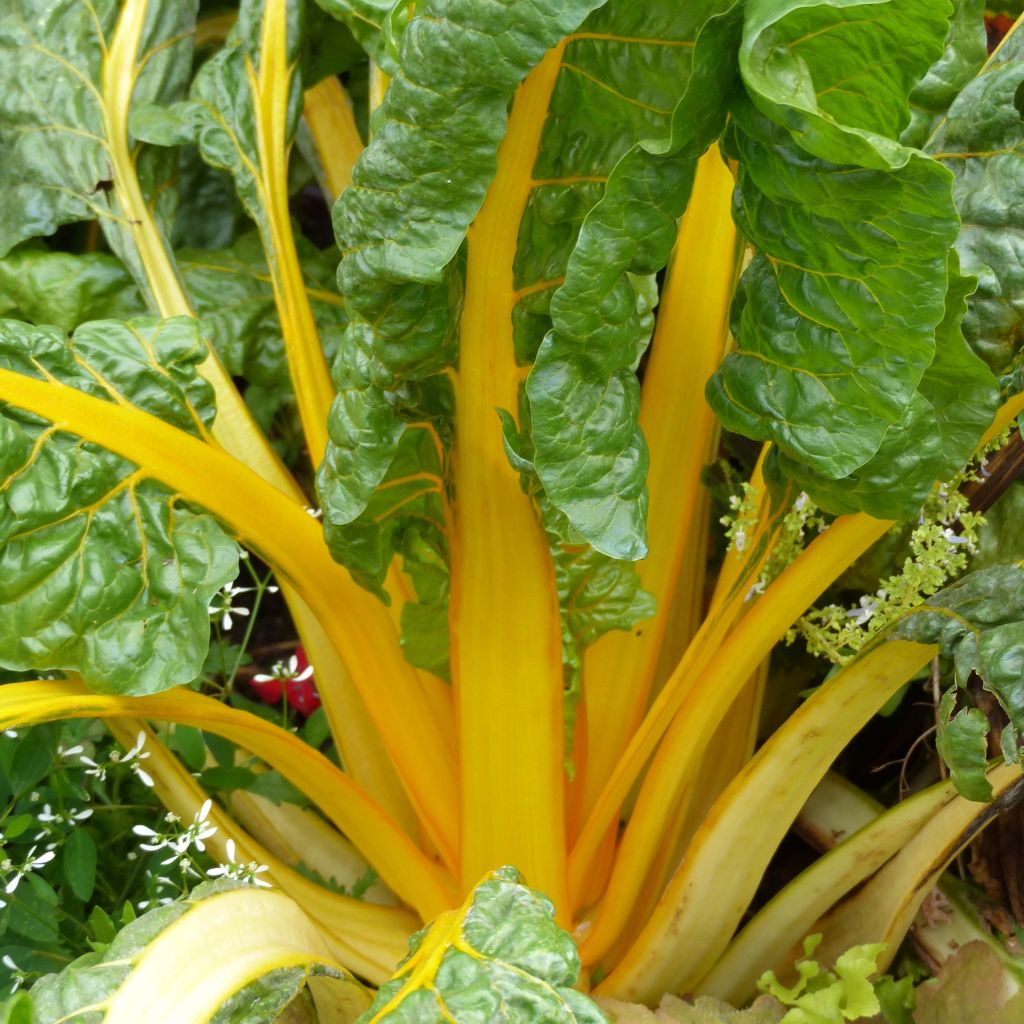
x=978 y=622
x=65 y=112
x=851 y=295
x=105 y=572
x=230 y=288
x=583 y=391
x=384 y=483
x=981 y=141
x=964 y=54
x=955 y=402
x=222 y=112
x=637 y=58
x=499 y=957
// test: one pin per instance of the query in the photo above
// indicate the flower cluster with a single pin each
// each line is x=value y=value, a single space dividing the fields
x=940 y=547
x=179 y=842
x=740 y=520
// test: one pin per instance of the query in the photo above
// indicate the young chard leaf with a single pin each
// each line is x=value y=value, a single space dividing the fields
x=499 y=957
x=105 y=571
x=246 y=104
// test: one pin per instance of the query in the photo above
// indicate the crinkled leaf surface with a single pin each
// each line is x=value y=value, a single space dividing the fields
x=105 y=571
x=499 y=957
x=583 y=391
x=57 y=114
x=981 y=141
x=230 y=289
x=979 y=623
x=936 y=435
x=836 y=317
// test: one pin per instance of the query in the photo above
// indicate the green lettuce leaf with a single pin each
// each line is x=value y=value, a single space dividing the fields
x=56 y=114
x=583 y=391
x=836 y=317
x=499 y=957
x=981 y=142
x=105 y=572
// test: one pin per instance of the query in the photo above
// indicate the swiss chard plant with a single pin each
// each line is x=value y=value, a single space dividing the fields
x=584 y=251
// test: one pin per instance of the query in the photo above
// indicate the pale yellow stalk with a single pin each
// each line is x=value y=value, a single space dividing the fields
x=695 y=918
x=705 y=689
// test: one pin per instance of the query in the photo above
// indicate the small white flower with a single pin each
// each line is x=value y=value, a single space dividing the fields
x=70 y=751
x=247 y=873
x=69 y=817
x=224 y=606
x=11 y=733
x=31 y=863
x=285 y=672
x=97 y=771
x=316 y=513
x=800 y=502
x=18 y=975
x=739 y=539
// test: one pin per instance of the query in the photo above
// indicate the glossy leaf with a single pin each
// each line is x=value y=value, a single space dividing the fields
x=981 y=141
x=935 y=437
x=979 y=623
x=583 y=391
x=964 y=54
x=836 y=317
x=58 y=108
x=499 y=957
x=105 y=571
